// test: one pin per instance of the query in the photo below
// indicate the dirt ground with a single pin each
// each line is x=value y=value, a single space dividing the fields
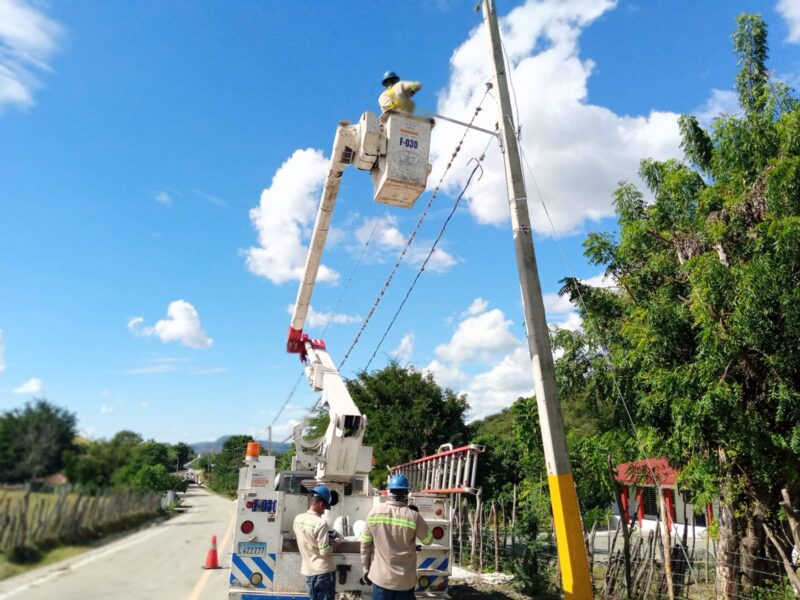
x=475 y=590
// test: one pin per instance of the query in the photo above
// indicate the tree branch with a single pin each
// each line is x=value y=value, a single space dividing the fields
x=794 y=580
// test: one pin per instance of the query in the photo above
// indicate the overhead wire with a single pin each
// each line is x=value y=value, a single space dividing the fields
x=412 y=235
x=436 y=241
x=335 y=308
x=397 y=264
x=617 y=388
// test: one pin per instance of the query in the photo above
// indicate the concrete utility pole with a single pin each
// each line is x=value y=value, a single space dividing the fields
x=575 y=576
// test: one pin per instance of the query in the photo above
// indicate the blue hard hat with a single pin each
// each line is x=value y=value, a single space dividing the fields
x=389 y=78
x=322 y=493
x=398 y=482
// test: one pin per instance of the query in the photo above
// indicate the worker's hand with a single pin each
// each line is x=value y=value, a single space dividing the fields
x=365 y=580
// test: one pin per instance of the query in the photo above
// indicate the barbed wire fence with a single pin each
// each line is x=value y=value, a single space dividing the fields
x=488 y=537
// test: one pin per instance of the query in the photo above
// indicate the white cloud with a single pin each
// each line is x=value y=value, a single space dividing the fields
x=27 y=40
x=477 y=307
x=381 y=231
x=579 y=151
x=790 y=11
x=105 y=409
x=215 y=200
x=405 y=350
x=181 y=325
x=446 y=375
x=499 y=387
x=163 y=198
x=555 y=304
x=32 y=386
x=285 y=216
x=2 y=353
x=572 y=322
x=601 y=280
x=386 y=241
x=478 y=338
x=721 y=102
x=135 y=323
x=484 y=338
x=321 y=319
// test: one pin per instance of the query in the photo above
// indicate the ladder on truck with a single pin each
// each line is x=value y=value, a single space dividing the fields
x=449 y=471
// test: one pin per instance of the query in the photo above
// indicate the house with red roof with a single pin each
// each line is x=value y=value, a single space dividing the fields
x=639 y=485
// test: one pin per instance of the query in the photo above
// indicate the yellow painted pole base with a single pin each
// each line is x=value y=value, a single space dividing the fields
x=575 y=577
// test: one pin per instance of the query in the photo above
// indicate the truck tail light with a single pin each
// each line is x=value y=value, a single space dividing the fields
x=247 y=527
x=256 y=578
x=438 y=533
x=442 y=586
x=424 y=582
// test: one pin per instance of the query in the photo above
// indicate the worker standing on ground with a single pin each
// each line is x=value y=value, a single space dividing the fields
x=397 y=95
x=311 y=532
x=388 y=544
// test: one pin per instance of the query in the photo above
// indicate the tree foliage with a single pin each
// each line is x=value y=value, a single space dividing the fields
x=125 y=461
x=408 y=414
x=700 y=336
x=33 y=440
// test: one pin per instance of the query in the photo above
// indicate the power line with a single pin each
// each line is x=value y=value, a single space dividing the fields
x=595 y=331
x=335 y=308
x=478 y=166
x=413 y=234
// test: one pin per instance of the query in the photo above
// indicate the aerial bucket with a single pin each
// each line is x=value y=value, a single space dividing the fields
x=400 y=176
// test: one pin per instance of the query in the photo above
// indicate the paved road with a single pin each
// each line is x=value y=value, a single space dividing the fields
x=159 y=562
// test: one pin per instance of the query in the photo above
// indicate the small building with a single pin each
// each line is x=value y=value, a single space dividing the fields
x=639 y=481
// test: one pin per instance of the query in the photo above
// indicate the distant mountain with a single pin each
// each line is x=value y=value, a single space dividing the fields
x=216 y=445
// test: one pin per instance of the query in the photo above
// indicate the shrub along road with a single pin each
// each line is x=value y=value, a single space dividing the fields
x=163 y=561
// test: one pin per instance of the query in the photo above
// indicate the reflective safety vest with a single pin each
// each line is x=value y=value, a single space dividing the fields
x=388 y=545
x=398 y=96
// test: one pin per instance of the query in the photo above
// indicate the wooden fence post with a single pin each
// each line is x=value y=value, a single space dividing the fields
x=496 y=539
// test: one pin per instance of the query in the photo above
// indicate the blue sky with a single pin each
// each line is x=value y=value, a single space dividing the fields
x=160 y=167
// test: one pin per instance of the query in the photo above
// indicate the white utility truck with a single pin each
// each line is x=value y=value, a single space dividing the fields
x=265 y=563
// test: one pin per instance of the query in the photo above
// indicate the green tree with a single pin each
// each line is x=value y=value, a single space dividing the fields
x=700 y=336
x=224 y=476
x=183 y=453
x=408 y=415
x=156 y=478
x=33 y=440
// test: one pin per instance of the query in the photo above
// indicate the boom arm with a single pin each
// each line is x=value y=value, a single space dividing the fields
x=342 y=155
x=395 y=149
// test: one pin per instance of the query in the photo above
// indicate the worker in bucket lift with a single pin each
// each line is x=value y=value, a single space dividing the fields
x=388 y=544
x=397 y=94
x=316 y=545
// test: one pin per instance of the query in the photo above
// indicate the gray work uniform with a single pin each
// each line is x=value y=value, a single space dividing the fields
x=311 y=532
x=388 y=545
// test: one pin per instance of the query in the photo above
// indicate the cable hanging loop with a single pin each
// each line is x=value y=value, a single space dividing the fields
x=413 y=234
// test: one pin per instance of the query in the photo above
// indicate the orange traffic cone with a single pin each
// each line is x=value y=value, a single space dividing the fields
x=212 y=560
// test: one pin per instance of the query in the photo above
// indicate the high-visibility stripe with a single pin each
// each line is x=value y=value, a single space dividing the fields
x=245 y=570
x=366 y=538
x=265 y=568
x=323 y=547
x=569 y=535
x=388 y=520
x=428 y=538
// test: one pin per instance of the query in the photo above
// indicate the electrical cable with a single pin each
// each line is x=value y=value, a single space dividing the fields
x=413 y=234
x=617 y=388
x=478 y=166
x=335 y=308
